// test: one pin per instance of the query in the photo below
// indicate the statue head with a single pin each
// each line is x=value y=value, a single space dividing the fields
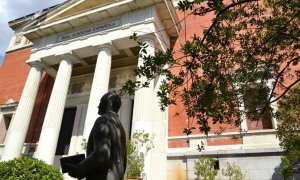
x=109 y=102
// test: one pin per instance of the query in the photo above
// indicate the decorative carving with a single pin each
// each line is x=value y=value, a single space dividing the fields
x=84 y=84
x=18 y=40
x=77 y=87
x=80 y=85
x=112 y=82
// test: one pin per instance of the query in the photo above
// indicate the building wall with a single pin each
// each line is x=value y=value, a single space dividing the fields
x=255 y=151
x=254 y=166
x=178 y=119
x=13 y=75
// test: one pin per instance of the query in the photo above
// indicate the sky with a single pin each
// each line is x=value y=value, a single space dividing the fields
x=13 y=9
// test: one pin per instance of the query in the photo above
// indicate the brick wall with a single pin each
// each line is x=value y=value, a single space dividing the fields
x=178 y=120
x=13 y=75
x=224 y=141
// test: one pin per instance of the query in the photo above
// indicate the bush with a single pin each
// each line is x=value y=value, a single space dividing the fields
x=204 y=167
x=234 y=172
x=25 y=168
x=137 y=149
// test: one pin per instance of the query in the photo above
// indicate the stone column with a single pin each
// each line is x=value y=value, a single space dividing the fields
x=19 y=125
x=273 y=105
x=143 y=99
x=244 y=126
x=53 y=118
x=77 y=133
x=142 y=119
x=243 y=118
x=99 y=87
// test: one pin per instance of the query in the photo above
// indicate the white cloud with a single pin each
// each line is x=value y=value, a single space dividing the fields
x=10 y=10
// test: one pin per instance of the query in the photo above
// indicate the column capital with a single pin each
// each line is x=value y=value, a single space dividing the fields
x=146 y=38
x=108 y=47
x=37 y=64
x=105 y=46
x=69 y=57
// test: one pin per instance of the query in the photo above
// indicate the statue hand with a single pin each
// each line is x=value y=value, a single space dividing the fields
x=73 y=170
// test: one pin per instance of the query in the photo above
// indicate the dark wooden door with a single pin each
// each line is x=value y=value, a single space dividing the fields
x=65 y=133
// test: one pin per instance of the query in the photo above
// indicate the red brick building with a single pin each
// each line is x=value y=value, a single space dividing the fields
x=69 y=55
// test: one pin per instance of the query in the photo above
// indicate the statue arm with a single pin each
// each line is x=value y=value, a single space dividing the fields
x=101 y=154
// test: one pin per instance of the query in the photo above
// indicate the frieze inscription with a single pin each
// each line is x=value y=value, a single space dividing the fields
x=89 y=30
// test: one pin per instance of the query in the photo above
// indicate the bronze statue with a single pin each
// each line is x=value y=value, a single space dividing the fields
x=106 y=148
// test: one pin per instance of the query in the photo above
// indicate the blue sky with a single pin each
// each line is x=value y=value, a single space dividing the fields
x=10 y=10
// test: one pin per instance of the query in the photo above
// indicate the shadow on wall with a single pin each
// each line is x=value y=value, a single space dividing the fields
x=276 y=175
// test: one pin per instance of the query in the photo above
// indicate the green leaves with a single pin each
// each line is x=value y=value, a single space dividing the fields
x=204 y=168
x=247 y=43
x=25 y=168
x=137 y=148
x=288 y=117
x=234 y=172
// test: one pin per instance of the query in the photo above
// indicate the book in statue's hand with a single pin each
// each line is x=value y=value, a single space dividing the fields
x=71 y=160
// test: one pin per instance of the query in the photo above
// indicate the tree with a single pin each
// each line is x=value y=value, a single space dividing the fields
x=250 y=43
x=288 y=117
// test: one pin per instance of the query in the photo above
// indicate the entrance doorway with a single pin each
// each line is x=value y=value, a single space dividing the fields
x=65 y=133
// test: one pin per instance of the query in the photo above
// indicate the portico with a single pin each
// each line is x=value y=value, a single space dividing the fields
x=88 y=51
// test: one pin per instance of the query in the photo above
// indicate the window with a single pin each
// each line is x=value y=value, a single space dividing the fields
x=259 y=116
x=217 y=165
x=4 y=124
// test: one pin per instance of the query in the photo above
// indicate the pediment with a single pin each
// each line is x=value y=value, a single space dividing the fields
x=74 y=14
x=61 y=11
x=74 y=8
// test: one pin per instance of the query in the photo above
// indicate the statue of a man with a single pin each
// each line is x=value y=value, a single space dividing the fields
x=106 y=148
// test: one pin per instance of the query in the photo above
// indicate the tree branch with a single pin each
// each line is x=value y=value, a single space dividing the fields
x=287 y=89
x=220 y=13
x=279 y=75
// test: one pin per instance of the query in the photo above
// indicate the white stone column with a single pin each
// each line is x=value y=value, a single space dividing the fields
x=243 y=118
x=18 y=128
x=143 y=109
x=77 y=133
x=53 y=118
x=143 y=99
x=99 y=87
x=273 y=105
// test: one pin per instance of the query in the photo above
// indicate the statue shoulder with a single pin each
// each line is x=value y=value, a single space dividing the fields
x=104 y=119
